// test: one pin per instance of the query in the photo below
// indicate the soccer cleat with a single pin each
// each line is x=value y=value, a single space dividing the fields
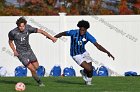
x=83 y=75
x=88 y=83
x=41 y=85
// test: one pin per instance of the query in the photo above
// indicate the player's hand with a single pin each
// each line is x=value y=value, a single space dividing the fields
x=54 y=39
x=110 y=55
x=16 y=53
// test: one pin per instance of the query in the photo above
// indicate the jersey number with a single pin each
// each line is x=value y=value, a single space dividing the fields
x=79 y=42
x=22 y=39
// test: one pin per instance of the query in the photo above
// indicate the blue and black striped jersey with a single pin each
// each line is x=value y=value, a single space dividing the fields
x=78 y=41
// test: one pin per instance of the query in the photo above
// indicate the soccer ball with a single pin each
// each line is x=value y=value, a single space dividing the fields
x=20 y=86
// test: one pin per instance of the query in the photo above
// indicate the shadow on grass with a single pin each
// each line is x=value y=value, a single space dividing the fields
x=68 y=82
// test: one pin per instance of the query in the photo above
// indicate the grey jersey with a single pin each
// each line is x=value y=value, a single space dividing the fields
x=21 y=39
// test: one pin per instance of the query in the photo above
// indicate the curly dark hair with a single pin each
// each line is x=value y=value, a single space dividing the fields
x=21 y=20
x=83 y=23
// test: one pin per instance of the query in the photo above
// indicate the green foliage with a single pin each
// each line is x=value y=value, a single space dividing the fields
x=77 y=7
x=2 y=4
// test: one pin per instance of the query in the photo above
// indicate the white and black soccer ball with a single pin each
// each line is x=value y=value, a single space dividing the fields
x=20 y=86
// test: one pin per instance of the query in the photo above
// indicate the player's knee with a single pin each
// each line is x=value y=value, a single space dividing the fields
x=33 y=70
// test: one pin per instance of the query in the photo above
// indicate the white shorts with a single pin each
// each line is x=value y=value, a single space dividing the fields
x=82 y=57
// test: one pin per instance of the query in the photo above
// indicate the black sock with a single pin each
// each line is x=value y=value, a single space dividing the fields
x=37 y=79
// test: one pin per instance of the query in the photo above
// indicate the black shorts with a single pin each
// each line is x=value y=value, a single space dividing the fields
x=27 y=57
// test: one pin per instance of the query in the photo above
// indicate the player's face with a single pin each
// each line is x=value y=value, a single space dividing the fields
x=21 y=27
x=82 y=30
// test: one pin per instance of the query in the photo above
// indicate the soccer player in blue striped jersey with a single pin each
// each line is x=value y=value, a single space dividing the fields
x=79 y=38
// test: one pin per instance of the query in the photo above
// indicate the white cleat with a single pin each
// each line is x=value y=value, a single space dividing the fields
x=88 y=83
x=41 y=85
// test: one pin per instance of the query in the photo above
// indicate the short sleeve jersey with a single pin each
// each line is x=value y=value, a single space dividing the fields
x=78 y=41
x=21 y=39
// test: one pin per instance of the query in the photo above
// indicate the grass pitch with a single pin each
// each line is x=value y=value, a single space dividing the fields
x=73 y=84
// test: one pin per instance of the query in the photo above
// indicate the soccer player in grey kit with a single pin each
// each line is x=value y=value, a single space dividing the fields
x=20 y=36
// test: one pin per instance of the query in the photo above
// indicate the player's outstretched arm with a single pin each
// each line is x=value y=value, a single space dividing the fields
x=13 y=47
x=60 y=34
x=104 y=50
x=54 y=39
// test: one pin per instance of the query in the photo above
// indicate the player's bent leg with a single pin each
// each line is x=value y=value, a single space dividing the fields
x=35 y=64
x=90 y=73
x=88 y=68
x=84 y=72
x=34 y=74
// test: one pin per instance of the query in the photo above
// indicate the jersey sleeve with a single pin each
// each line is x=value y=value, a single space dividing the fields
x=31 y=29
x=70 y=32
x=11 y=35
x=91 y=38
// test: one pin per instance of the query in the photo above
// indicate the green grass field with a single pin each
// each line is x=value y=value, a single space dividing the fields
x=73 y=84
